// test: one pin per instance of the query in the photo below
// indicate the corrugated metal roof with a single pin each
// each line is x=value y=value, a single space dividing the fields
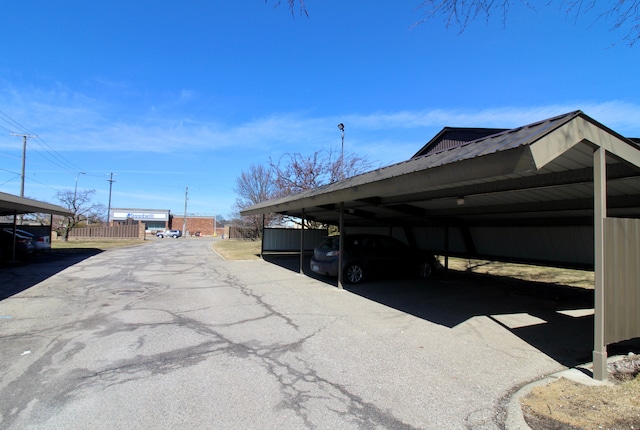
x=500 y=142
x=547 y=161
x=451 y=137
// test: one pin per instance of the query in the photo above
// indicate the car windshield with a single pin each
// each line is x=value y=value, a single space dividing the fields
x=329 y=243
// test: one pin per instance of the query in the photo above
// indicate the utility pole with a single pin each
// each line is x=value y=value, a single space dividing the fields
x=184 y=220
x=111 y=181
x=24 y=157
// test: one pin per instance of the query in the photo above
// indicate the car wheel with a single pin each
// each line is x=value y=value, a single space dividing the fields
x=353 y=274
x=161 y=236
x=425 y=270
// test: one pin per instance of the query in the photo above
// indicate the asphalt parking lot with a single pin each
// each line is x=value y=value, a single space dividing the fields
x=170 y=335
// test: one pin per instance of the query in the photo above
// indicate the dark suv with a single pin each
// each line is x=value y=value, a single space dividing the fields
x=366 y=255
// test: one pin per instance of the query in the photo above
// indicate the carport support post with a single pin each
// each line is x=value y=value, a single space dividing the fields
x=446 y=249
x=13 y=243
x=262 y=239
x=340 y=246
x=600 y=211
x=302 y=243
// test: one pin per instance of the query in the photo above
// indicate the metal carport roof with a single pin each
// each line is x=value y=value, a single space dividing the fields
x=569 y=178
x=15 y=205
x=542 y=172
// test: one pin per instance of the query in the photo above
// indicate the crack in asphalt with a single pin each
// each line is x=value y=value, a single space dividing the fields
x=300 y=386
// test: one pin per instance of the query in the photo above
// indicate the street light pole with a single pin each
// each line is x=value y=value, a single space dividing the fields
x=75 y=192
x=341 y=128
x=75 y=196
x=184 y=219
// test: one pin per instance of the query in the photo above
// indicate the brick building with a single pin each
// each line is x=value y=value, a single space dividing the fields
x=162 y=219
x=203 y=224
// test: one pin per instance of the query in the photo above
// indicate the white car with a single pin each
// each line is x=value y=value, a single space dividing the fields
x=169 y=233
x=40 y=243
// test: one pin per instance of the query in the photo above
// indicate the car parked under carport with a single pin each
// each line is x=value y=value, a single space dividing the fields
x=24 y=245
x=40 y=242
x=369 y=255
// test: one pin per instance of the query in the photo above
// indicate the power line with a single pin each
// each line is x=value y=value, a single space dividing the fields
x=56 y=159
x=42 y=183
x=44 y=150
x=17 y=175
x=1 y=126
x=6 y=118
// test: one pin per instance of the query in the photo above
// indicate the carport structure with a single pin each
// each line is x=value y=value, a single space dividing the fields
x=15 y=205
x=563 y=191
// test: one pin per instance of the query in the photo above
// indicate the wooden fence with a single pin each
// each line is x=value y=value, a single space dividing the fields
x=135 y=231
x=242 y=233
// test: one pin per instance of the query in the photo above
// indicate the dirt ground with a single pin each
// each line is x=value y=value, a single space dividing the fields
x=552 y=275
x=568 y=405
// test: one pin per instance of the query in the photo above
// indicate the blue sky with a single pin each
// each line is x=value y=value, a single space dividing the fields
x=169 y=95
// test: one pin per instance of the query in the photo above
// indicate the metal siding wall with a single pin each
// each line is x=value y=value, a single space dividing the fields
x=622 y=279
x=560 y=244
x=430 y=238
x=396 y=232
x=433 y=238
x=282 y=240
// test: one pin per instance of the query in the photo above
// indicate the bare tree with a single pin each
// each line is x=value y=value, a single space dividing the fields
x=79 y=203
x=40 y=218
x=254 y=186
x=625 y=14
x=295 y=172
x=291 y=174
x=346 y=166
x=292 y=6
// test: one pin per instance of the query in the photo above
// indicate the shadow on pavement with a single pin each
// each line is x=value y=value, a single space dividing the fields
x=555 y=319
x=20 y=276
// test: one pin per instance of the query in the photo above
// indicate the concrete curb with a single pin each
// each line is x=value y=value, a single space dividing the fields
x=515 y=418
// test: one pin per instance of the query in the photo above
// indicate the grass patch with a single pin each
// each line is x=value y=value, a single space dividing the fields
x=84 y=245
x=238 y=249
x=525 y=272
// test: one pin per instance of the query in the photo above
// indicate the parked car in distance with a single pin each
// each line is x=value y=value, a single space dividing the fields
x=40 y=243
x=24 y=244
x=169 y=233
x=369 y=255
